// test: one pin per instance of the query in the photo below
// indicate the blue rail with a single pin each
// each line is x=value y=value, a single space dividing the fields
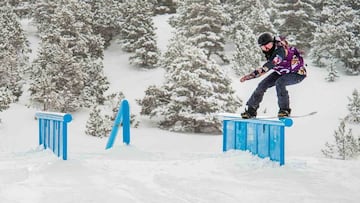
x=53 y=132
x=122 y=117
x=264 y=138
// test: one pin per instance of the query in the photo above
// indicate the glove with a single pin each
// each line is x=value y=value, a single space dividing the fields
x=257 y=73
x=247 y=77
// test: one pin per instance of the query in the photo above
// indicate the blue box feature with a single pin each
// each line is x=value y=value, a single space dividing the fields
x=264 y=138
x=53 y=131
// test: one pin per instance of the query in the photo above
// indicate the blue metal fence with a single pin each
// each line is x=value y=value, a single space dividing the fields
x=122 y=117
x=264 y=138
x=53 y=132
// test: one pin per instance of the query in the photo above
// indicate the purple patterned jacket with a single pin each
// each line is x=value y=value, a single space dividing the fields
x=285 y=60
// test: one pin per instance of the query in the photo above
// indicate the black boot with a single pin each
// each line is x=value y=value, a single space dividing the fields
x=284 y=113
x=249 y=113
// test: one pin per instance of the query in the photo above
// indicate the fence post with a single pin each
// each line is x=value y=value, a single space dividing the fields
x=264 y=138
x=122 y=117
x=53 y=131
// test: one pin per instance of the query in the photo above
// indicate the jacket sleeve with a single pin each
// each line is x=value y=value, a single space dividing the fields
x=276 y=58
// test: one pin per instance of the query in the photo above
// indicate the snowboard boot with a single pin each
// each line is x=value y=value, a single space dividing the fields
x=249 y=113
x=284 y=113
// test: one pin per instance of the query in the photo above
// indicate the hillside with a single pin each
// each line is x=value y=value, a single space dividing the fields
x=162 y=166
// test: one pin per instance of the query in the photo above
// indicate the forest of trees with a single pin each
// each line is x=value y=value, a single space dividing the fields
x=67 y=73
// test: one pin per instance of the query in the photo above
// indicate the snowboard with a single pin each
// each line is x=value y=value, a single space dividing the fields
x=238 y=116
x=292 y=116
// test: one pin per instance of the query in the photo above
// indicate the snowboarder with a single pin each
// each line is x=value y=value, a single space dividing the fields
x=288 y=68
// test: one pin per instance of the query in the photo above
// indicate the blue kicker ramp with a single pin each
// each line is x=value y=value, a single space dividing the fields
x=122 y=117
x=264 y=138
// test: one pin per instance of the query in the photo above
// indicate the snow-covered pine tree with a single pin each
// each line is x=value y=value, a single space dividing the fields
x=346 y=146
x=101 y=126
x=249 y=12
x=14 y=50
x=133 y=15
x=22 y=8
x=244 y=59
x=129 y=32
x=57 y=79
x=296 y=20
x=96 y=83
x=332 y=72
x=6 y=98
x=73 y=20
x=43 y=13
x=322 y=48
x=95 y=124
x=173 y=50
x=70 y=33
x=349 y=3
x=318 y=6
x=138 y=33
x=202 y=23
x=10 y=3
x=115 y=102
x=88 y=49
x=146 y=54
x=165 y=6
x=354 y=107
x=338 y=36
x=155 y=97
x=194 y=91
x=106 y=18
x=159 y=96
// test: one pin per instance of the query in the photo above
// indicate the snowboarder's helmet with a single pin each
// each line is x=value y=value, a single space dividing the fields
x=265 y=38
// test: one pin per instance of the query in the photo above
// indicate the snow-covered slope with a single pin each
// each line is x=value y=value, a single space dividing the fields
x=161 y=166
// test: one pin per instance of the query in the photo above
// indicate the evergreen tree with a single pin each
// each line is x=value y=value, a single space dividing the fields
x=346 y=146
x=6 y=98
x=57 y=79
x=70 y=36
x=101 y=126
x=248 y=19
x=245 y=59
x=354 y=107
x=147 y=54
x=132 y=28
x=95 y=123
x=114 y=103
x=321 y=52
x=138 y=33
x=44 y=13
x=339 y=37
x=173 y=50
x=202 y=23
x=318 y=6
x=249 y=12
x=95 y=82
x=106 y=18
x=348 y=3
x=165 y=6
x=14 y=50
x=333 y=73
x=296 y=20
x=22 y=8
x=194 y=91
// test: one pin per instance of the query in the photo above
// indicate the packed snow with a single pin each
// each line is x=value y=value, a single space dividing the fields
x=162 y=166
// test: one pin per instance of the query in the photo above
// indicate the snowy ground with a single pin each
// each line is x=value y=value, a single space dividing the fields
x=161 y=166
